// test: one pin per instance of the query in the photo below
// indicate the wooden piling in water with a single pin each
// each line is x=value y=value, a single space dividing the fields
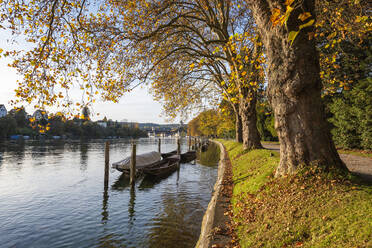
x=179 y=150
x=189 y=143
x=133 y=164
x=107 y=163
x=178 y=146
x=159 y=145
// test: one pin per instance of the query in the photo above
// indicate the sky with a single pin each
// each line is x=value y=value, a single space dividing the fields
x=137 y=106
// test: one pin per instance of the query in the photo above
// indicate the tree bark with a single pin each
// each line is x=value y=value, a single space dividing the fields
x=238 y=126
x=251 y=136
x=294 y=90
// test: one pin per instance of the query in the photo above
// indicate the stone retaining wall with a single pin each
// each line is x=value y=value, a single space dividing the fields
x=209 y=219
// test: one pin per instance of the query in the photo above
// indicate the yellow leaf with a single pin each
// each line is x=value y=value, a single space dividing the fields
x=309 y=23
x=292 y=36
x=288 y=2
x=304 y=16
x=275 y=16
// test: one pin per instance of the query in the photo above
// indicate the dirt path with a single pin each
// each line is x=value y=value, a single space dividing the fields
x=357 y=164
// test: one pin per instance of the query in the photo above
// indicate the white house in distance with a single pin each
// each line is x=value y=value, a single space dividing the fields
x=102 y=123
x=3 y=111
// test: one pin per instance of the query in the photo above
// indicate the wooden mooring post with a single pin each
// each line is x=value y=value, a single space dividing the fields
x=133 y=164
x=189 y=143
x=178 y=152
x=159 y=145
x=178 y=146
x=107 y=163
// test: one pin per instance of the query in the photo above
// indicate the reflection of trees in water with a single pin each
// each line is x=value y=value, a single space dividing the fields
x=211 y=156
x=13 y=150
x=110 y=241
x=42 y=148
x=17 y=150
x=178 y=225
x=84 y=147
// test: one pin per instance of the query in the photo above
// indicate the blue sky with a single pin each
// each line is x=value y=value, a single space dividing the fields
x=137 y=105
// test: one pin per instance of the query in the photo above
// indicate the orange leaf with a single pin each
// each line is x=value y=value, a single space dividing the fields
x=304 y=16
x=288 y=2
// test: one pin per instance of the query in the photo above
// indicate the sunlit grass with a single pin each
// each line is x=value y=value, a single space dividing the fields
x=307 y=210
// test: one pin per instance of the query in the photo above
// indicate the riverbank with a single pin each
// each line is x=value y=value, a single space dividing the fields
x=307 y=210
x=216 y=230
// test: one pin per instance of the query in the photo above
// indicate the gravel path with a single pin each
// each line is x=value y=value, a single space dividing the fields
x=357 y=164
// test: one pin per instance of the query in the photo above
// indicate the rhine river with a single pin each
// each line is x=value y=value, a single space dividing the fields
x=52 y=195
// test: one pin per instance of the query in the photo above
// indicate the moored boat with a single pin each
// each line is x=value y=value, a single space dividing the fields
x=163 y=167
x=142 y=161
x=187 y=157
x=168 y=154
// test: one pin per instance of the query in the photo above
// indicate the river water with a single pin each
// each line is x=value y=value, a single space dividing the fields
x=52 y=195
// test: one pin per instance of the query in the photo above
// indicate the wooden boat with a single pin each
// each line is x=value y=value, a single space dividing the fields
x=187 y=157
x=163 y=167
x=142 y=161
x=168 y=154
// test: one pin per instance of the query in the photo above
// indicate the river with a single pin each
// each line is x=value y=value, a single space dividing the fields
x=52 y=195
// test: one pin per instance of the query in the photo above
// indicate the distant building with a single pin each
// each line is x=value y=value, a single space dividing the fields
x=128 y=124
x=3 y=111
x=102 y=123
x=40 y=115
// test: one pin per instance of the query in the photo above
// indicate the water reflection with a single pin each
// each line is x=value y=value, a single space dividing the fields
x=211 y=156
x=84 y=156
x=169 y=226
x=132 y=203
x=110 y=241
x=149 y=182
x=105 y=213
x=121 y=183
x=56 y=199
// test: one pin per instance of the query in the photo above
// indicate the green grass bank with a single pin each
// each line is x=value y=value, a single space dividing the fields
x=310 y=209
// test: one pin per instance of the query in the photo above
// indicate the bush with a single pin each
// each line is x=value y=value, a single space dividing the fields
x=352 y=117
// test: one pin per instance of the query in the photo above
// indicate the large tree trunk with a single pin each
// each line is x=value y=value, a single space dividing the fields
x=251 y=136
x=294 y=89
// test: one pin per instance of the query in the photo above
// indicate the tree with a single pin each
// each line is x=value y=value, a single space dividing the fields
x=294 y=84
x=344 y=42
x=208 y=40
x=211 y=123
x=20 y=116
x=124 y=42
x=85 y=113
x=8 y=126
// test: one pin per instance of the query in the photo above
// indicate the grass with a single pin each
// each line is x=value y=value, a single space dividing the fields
x=305 y=210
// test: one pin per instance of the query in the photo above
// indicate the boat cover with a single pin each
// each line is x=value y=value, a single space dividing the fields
x=142 y=161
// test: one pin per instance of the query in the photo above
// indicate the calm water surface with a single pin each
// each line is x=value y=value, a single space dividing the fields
x=52 y=195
